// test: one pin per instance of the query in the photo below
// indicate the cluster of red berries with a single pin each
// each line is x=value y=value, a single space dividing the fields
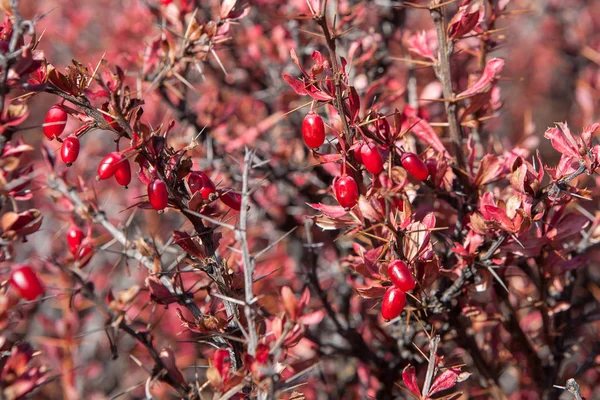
x=368 y=154
x=115 y=164
x=394 y=299
x=54 y=125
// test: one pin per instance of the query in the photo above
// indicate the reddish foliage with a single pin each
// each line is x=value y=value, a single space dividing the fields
x=335 y=192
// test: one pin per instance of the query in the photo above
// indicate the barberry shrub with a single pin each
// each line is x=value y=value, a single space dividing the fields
x=299 y=199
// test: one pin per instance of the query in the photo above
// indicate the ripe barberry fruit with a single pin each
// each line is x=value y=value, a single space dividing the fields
x=346 y=191
x=158 y=194
x=371 y=158
x=414 y=166
x=109 y=165
x=199 y=181
x=400 y=275
x=74 y=238
x=69 y=150
x=24 y=279
x=84 y=254
x=231 y=199
x=393 y=303
x=222 y=362
x=357 y=153
x=123 y=173
x=55 y=122
x=313 y=130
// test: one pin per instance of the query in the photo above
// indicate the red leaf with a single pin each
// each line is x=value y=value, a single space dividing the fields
x=465 y=19
x=317 y=94
x=330 y=211
x=490 y=168
x=445 y=381
x=186 y=242
x=487 y=79
x=295 y=59
x=354 y=102
x=371 y=292
x=562 y=140
x=327 y=158
x=168 y=359
x=296 y=84
x=426 y=133
x=409 y=376
x=312 y=318
x=159 y=292
x=417 y=43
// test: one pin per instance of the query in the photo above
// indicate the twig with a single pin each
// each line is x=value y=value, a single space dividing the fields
x=433 y=346
x=10 y=58
x=59 y=185
x=337 y=74
x=248 y=261
x=160 y=369
x=571 y=387
x=444 y=74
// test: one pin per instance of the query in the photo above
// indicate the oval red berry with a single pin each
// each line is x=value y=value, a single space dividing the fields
x=74 y=238
x=85 y=254
x=346 y=191
x=123 y=173
x=371 y=158
x=24 y=279
x=69 y=150
x=400 y=275
x=414 y=166
x=313 y=130
x=55 y=122
x=198 y=181
x=158 y=194
x=357 y=153
x=393 y=303
x=109 y=165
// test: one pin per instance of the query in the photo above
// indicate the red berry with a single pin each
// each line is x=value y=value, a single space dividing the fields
x=221 y=362
x=55 y=122
x=231 y=199
x=123 y=173
x=262 y=353
x=358 y=154
x=400 y=275
x=85 y=254
x=371 y=158
x=74 y=238
x=158 y=194
x=313 y=130
x=109 y=165
x=414 y=166
x=346 y=191
x=26 y=282
x=70 y=150
x=393 y=303
x=199 y=181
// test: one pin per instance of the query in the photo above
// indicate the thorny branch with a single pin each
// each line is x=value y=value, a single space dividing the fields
x=20 y=26
x=58 y=184
x=444 y=74
x=160 y=371
x=248 y=261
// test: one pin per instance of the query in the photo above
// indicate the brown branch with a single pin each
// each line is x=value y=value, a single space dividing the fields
x=337 y=74
x=161 y=371
x=444 y=74
x=60 y=185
